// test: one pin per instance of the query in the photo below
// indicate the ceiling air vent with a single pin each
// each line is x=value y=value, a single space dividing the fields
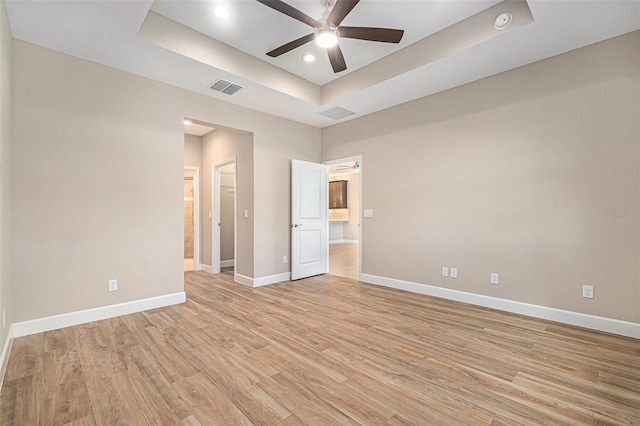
x=225 y=87
x=337 y=113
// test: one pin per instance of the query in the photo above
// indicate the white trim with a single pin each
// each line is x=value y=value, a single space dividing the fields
x=331 y=242
x=271 y=279
x=609 y=325
x=241 y=279
x=262 y=281
x=227 y=263
x=206 y=268
x=4 y=357
x=54 y=322
x=197 y=238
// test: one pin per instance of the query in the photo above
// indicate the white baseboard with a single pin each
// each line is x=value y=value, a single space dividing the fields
x=227 y=263
x=54 y=322
x=243 y=280
x=206 y=268
x=259 y=282
x=609 y=325
x=343 y=242
x=4 y=356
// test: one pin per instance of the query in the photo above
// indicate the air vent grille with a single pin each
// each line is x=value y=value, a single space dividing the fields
x=337 y=113
x=225 y=87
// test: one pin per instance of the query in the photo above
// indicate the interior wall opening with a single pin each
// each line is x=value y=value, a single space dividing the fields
x=344 y=217
x=189 y=220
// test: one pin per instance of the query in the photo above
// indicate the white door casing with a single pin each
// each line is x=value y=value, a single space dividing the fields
x=309 y=204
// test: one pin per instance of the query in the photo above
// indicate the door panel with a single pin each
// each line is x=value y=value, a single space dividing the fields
x=309 y=219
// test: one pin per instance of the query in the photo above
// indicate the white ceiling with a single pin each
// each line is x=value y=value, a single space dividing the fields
x=195 y=47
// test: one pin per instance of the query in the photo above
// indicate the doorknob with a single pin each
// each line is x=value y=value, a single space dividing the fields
x=295 y=225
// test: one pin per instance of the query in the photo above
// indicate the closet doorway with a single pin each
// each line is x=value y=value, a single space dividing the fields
x=191 y=219
x=224 y=212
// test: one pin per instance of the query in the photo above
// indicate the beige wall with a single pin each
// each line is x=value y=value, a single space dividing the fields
x=192 y=150
x=511 y=174
x=6 y=283
x=273 y=191
x=94 y=204
x=220 y=145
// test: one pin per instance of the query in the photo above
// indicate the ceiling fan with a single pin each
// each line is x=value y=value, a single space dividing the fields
x=328 y=29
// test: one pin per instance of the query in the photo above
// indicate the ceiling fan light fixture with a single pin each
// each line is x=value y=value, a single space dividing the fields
x=327 y=37
x=308 y=57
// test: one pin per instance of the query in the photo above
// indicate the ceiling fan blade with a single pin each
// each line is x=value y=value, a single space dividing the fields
x=384 y=35
x=291 y=45
x=337 y=59
x=340 y=10
x=290 y=11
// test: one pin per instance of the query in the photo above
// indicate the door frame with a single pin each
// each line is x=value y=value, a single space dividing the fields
x=357 y=158
x=215 y=217
x=197 y=243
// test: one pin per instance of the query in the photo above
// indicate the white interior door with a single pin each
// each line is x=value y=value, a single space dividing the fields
x=308 y=219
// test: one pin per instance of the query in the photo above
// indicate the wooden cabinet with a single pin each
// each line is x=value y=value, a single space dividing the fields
x=338 y=194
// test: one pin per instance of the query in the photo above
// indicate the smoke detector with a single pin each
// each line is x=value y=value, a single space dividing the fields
x=502 y=21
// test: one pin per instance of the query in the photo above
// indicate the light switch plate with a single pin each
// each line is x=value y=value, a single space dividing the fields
x=368 y=213
x=454 y=272
x=445 y=271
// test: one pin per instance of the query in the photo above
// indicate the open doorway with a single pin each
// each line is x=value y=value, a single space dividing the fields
x=345 y=195
x=191 y=219
x=223 y=221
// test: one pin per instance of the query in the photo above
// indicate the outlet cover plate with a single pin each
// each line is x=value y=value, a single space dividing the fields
x=113 y=285
x=587 y=291
x=495 y=278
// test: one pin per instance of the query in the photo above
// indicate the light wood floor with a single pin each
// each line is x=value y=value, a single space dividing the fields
x=343 y=260
x=323 y=351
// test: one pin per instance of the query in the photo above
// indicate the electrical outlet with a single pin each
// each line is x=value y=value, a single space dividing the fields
x=284 y=259
x=453 y=272
x=587 y=291
x=445 y=271
x=495 y=278
x=113 y=285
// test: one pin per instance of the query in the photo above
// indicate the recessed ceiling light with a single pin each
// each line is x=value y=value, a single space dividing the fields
x=221 y=12
x=502 y=21
x=308 y=57
x=187 y=122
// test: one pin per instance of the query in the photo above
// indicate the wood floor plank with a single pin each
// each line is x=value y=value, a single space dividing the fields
x=321 y=351
x=21 y=402
x=66 y=395
x=208 y=403
x=26 y=357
